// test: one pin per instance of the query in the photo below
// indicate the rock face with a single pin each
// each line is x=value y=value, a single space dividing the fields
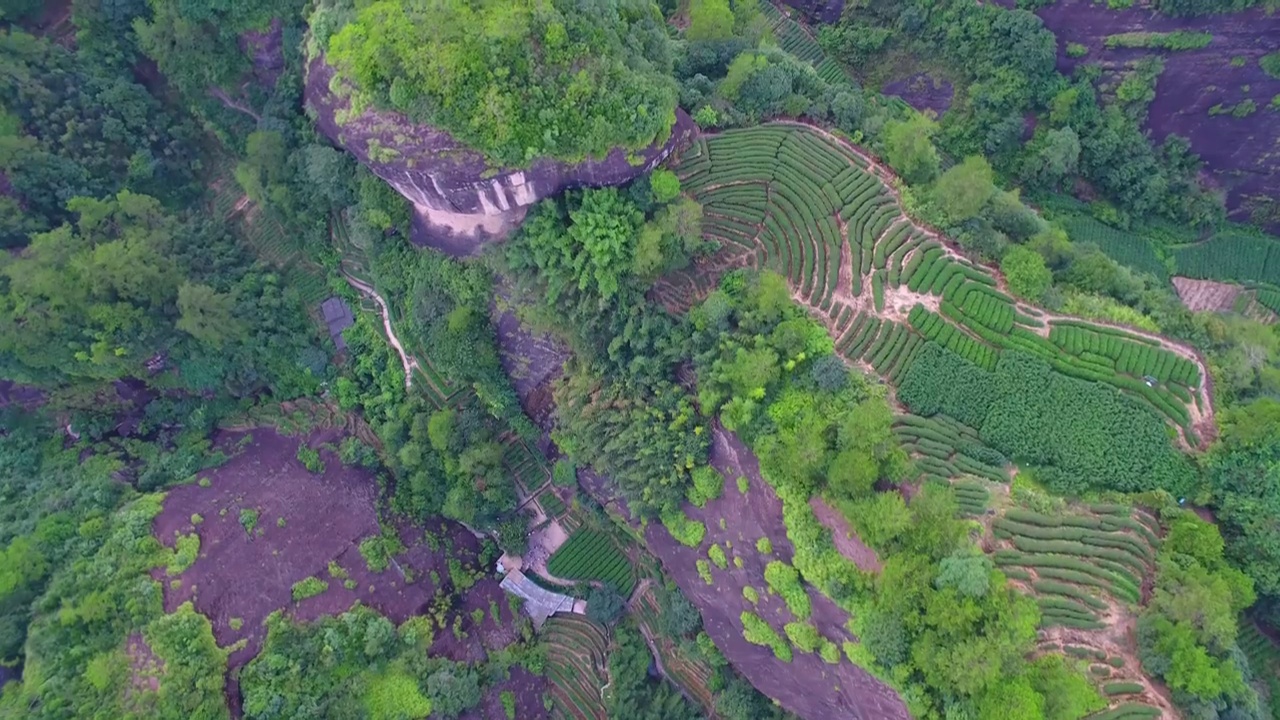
x=462 y=200
x=827 y=11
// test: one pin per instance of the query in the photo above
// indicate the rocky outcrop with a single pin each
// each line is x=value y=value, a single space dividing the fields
x=461 y=199
x=827 y=11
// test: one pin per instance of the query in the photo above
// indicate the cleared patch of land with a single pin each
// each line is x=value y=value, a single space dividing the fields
x=266 y=523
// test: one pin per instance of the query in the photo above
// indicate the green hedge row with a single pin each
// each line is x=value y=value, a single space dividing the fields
x=1091 y=537
x=1052 y=587
x=1130 y=711
x=1071 y=547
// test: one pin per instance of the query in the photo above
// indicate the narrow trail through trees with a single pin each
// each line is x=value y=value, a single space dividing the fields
x=409 y=362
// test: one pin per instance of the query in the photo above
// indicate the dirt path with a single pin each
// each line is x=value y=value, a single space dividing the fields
x=409 y=362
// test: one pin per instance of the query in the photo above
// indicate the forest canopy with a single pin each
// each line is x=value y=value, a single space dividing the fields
x=515 y=80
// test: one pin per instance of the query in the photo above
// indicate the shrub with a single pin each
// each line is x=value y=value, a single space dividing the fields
x=185 y=551
x=310 y=587
x=564 y=473
x=310 y=459
x=508 y=704
x=716 y=553
x=785 y=581
x=248 y=520
x=1271 y=64
x=803 y=635
x=196 y=519
x=764 y=546
x=750 y=594
x=707 y=485
x=829 y=652
x=704 y=571
x=374 y=552
x=1122 y=688
x=236 y=623
x=759 y=632
x=743 y=485
x=687 y=532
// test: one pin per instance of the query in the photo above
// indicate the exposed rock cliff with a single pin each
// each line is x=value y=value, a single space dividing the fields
x=827 y=11
x=461 y=199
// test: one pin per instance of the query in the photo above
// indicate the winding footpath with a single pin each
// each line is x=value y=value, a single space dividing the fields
x=409 y=362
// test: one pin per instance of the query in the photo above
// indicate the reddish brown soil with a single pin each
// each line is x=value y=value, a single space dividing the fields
x=922 y=92
x=528 y=689
x=532 y=360
x=807 y=686
x=846 y=540
x=325 y=518
x=1239 y=152
x=1200 y=295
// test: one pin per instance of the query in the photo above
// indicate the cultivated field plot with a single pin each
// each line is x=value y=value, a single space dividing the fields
x=806 y=205
x=593 y=556
x=577 y=666
x=1206 y=295
x=1087 y=569
x=945 y=448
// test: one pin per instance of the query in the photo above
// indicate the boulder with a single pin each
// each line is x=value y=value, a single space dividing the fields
x=826 y=11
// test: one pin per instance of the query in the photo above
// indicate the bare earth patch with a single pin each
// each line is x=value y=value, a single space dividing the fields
x=311 y=525
x=846 y=540
x=1206 y=295
x=806 y=686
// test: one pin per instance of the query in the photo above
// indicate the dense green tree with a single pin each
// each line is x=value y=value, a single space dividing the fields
x=1052 y=158
x=578 y=79
x=1026 y=273
x=70 y=127
x=709 y=20
x=208 y=315
x=908 y=147
x=604 y=605
x=963 y=190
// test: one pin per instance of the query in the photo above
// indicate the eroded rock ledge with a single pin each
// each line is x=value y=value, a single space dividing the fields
x=462 y=200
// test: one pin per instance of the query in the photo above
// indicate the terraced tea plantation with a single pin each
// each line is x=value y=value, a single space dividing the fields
x=945 y=448
x=1077 y=565
x=795 y=39
x=1231 y=256
x=691 y=674
x=591 y=555
x=795 y=200
x=577 y=666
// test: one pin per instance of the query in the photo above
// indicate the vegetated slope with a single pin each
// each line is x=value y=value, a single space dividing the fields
x=1090 y=568
x=805 y=204
x=585 y=99
x=577 y=666
x=1218 y=95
